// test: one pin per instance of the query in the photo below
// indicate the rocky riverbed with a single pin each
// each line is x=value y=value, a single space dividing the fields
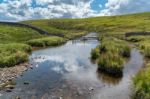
x=8 y=74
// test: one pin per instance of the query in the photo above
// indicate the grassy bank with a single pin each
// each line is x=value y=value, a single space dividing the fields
x=111 y=55
x=142 y=84
x=14 y=53
x=141 y=80
x=16 y=42
x=47 y=41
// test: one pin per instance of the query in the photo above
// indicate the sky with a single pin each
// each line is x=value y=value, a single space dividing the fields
x=19 y=10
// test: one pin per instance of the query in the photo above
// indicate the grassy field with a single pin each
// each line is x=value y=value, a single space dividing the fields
x=14 y=34
x=59 y=27
x=105 y=25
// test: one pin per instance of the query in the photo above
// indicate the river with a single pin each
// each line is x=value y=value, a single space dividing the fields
x=66 y=72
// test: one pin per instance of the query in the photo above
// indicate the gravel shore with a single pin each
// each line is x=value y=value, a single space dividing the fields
x=12 y=72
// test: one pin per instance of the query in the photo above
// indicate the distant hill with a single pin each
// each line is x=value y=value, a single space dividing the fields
x=108 y=24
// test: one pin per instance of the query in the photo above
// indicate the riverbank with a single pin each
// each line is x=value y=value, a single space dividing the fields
x=13 y=67
x=8 y=74
x=141 y=80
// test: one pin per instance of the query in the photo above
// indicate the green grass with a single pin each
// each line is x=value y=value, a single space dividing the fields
x=111 y=54
x=14 y=40
x=143 y=43
x=13 y=53
x=109 y=25
x=136 y=38
x=142 y=84
x=47 y=41
x=58 y=28
x=14 y=34
x=141 y=81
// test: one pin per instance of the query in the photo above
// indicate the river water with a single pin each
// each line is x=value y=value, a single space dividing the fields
x=66 y=72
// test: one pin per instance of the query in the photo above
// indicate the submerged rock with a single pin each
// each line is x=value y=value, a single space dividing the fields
x=26 y=83
x=8 y=90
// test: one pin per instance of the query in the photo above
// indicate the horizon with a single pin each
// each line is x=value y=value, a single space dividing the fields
x=20 y=10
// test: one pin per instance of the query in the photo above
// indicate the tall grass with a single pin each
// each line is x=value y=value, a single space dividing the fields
x=14 y=53
x=141 y=81
x=47 y=41
x=111 y=55
x=142 y=84
x=111 y=63
x=95 y=53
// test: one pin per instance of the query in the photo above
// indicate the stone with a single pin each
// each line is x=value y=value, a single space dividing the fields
x=26 y=83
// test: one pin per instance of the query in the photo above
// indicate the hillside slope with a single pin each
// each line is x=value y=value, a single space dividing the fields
x=10 y=34
x=110 y=24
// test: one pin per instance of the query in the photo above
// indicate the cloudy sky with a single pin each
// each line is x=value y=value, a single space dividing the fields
x=18 y=10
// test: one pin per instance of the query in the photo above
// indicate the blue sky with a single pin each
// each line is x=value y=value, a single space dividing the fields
x=98 y=5
x=18 y=10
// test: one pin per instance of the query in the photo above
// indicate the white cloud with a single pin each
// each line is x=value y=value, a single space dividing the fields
x=25 y=9
x=16 y=10
x=115 y=7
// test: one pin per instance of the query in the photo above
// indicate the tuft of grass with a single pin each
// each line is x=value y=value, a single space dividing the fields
x=95 y=54
x=14 y=53
x=111 y=55
x=141 y=84
x=111 y=63
x=47 y=41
